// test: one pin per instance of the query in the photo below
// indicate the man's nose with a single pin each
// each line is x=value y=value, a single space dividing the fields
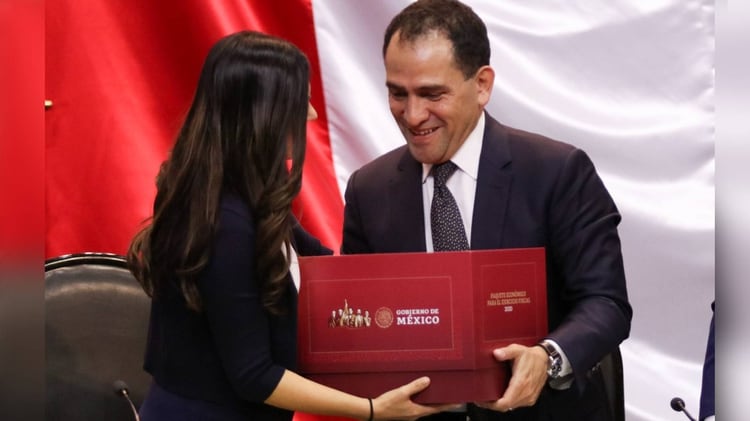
x=415 y=111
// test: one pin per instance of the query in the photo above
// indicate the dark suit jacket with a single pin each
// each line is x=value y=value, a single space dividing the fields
x=230 y=357
x=707 y=400
x=531 y=191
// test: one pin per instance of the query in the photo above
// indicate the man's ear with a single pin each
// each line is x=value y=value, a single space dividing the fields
x=485 y=80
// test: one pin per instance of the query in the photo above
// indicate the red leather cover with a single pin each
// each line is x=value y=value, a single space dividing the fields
x=372 y=322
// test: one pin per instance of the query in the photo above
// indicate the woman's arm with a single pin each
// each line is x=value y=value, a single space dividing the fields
x=297 y=393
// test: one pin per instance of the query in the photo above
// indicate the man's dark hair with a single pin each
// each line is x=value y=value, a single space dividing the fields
x=455 y=20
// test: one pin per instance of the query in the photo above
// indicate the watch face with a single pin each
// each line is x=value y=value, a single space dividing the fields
x=555 y=366
x=555 y=361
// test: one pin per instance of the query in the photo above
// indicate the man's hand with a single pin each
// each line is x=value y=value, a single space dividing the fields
x=529 y=374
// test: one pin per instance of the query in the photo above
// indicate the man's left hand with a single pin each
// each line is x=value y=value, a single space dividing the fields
x=528 y=376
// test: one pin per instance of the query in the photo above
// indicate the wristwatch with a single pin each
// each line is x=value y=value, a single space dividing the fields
x=555 y=360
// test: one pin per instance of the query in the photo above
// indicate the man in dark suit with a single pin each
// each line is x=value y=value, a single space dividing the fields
x=513 y=189
x=708 y=402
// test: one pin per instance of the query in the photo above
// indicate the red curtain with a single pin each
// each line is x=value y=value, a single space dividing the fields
x=21 y=135
x=121 y=75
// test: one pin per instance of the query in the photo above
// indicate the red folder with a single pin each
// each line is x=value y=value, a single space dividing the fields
x=372 y=322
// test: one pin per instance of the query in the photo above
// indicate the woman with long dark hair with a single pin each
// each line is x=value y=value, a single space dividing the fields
x=215 y=257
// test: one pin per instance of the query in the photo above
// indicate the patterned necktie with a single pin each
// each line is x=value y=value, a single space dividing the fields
x=447 y=228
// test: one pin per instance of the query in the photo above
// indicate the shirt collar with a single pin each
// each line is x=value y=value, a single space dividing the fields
x=466 y=157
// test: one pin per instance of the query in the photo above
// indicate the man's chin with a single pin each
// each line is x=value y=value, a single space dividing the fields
x=421 y=154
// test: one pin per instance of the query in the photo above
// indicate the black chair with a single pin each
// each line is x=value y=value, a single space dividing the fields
x=96 y=323
x=611 y=368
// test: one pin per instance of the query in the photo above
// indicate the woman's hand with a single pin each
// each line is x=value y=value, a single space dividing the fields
x=397 y=403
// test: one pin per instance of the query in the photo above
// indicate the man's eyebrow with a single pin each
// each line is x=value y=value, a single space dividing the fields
x=424 y=88
x=431 y=88
x=391 y=85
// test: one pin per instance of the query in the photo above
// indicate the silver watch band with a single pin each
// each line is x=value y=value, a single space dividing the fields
x=555 y=359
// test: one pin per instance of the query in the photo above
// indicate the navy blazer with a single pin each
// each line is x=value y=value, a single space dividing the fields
x=531 y=191
x=707 y=398
x=224 y=362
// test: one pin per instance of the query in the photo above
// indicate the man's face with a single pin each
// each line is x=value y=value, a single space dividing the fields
x=434 y=105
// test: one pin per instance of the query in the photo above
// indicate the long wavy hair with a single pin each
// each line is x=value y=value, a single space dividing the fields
x=246 y=121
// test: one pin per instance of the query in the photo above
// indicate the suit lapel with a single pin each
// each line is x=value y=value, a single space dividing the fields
x=407 y=213
x=494 y=181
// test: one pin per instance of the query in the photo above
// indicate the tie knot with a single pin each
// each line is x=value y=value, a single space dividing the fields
x=442 y=172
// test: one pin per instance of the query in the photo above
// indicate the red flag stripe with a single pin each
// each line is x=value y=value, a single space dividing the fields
x=121 y=75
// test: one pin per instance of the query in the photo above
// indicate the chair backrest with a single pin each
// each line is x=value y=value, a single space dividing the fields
x=96 y=324
x=611 y=368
